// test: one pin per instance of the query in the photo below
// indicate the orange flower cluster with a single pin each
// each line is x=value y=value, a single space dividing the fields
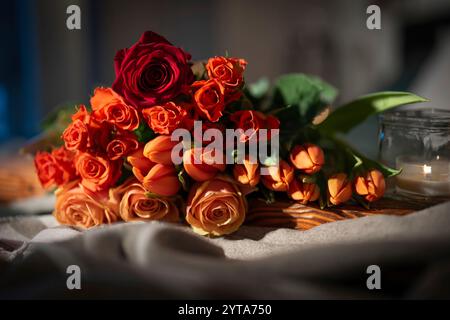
x=116 y=160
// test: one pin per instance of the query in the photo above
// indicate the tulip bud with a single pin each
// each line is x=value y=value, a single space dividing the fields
x=162 y=180
x=247 y=173
x=159 y=150
x=371 y=185
x=303 y=192
x=307 y=157
x=339 y=188
x=201 y=165
x=279 y=177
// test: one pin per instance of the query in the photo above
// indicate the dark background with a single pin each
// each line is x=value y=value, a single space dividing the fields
x=43 y=64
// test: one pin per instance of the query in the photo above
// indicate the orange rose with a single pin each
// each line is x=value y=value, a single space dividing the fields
x=216 y=207
x=308 y=157
x=247 y=173
x=253 y=120
x=55 y=168
x=200 y=165
x=77 y=206
x=97 y=173
x=110 y=107
x=371 y=185
x=209 y=96
x=166 y=118
x=159 y=150
x=339 y=188
x=123 y=144
x=133 y=204
x=156 y=177
x=229 y=71
x=279 y=177
x=76 y=135
x=303 y=192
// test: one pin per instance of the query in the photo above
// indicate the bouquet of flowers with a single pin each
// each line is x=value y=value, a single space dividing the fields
x=178 y=141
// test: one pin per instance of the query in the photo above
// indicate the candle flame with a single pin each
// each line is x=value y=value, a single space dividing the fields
x=426 y=169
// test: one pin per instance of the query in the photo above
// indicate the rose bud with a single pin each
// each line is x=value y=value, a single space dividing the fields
x=201 y=164
x=131 y=201
x=303 y=192
x=97 y=173
x=110 y=107
x=159 y=150
x=209 y=97
x=279 y=177
x=77 y=206
x=307 y=157
x=247 y=173
x=216 y=207
x=371 y=185
x=164 y=119
x=339 y=188
x=162 y=180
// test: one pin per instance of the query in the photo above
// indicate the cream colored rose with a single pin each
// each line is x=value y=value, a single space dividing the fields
x=216 y=207
x=76 y=206
x=133 y=204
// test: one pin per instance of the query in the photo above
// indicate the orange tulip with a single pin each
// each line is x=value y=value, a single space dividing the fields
x=339 y=188
x=279 y=177
x=247 y=173
x=159 y=150
x=200 y=165
x=162 y=180
x=308 y=157
x=371 y=185
x=303 y=192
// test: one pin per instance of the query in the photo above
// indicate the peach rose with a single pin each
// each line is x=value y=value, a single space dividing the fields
x=216 y=207
x=164 y=119
x=159 y=150
x=200 y=164
x=279 y=177
x=339 y=189
x=97 y=173
x=110 y=107
x=247 y=173
x=308 y=157
x=371 y=186
x=303 y=192
x=77 y=206
x=132 y=202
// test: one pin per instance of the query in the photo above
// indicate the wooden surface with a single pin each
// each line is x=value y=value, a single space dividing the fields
x=288 y=214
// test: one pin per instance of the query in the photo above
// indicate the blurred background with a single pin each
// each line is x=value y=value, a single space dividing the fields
x=44 y=65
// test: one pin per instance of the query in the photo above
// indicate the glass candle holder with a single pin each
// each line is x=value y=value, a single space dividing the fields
x=418 y=142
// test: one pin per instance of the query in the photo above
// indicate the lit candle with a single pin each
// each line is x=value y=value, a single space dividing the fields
x=429 y=178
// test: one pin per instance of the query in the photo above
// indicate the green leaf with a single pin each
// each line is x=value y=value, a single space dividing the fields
x=304 y=96
x=184 y=179
x=144 y=133
x=259 y=89
x=355 y=112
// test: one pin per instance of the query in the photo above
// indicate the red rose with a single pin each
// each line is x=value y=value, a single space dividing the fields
x=122 y=145
x=152 y=71
x=110 y=107
x=55 y=168
x=255 y=120
x=209 y=96
x=97 y=173
x=166 y=118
